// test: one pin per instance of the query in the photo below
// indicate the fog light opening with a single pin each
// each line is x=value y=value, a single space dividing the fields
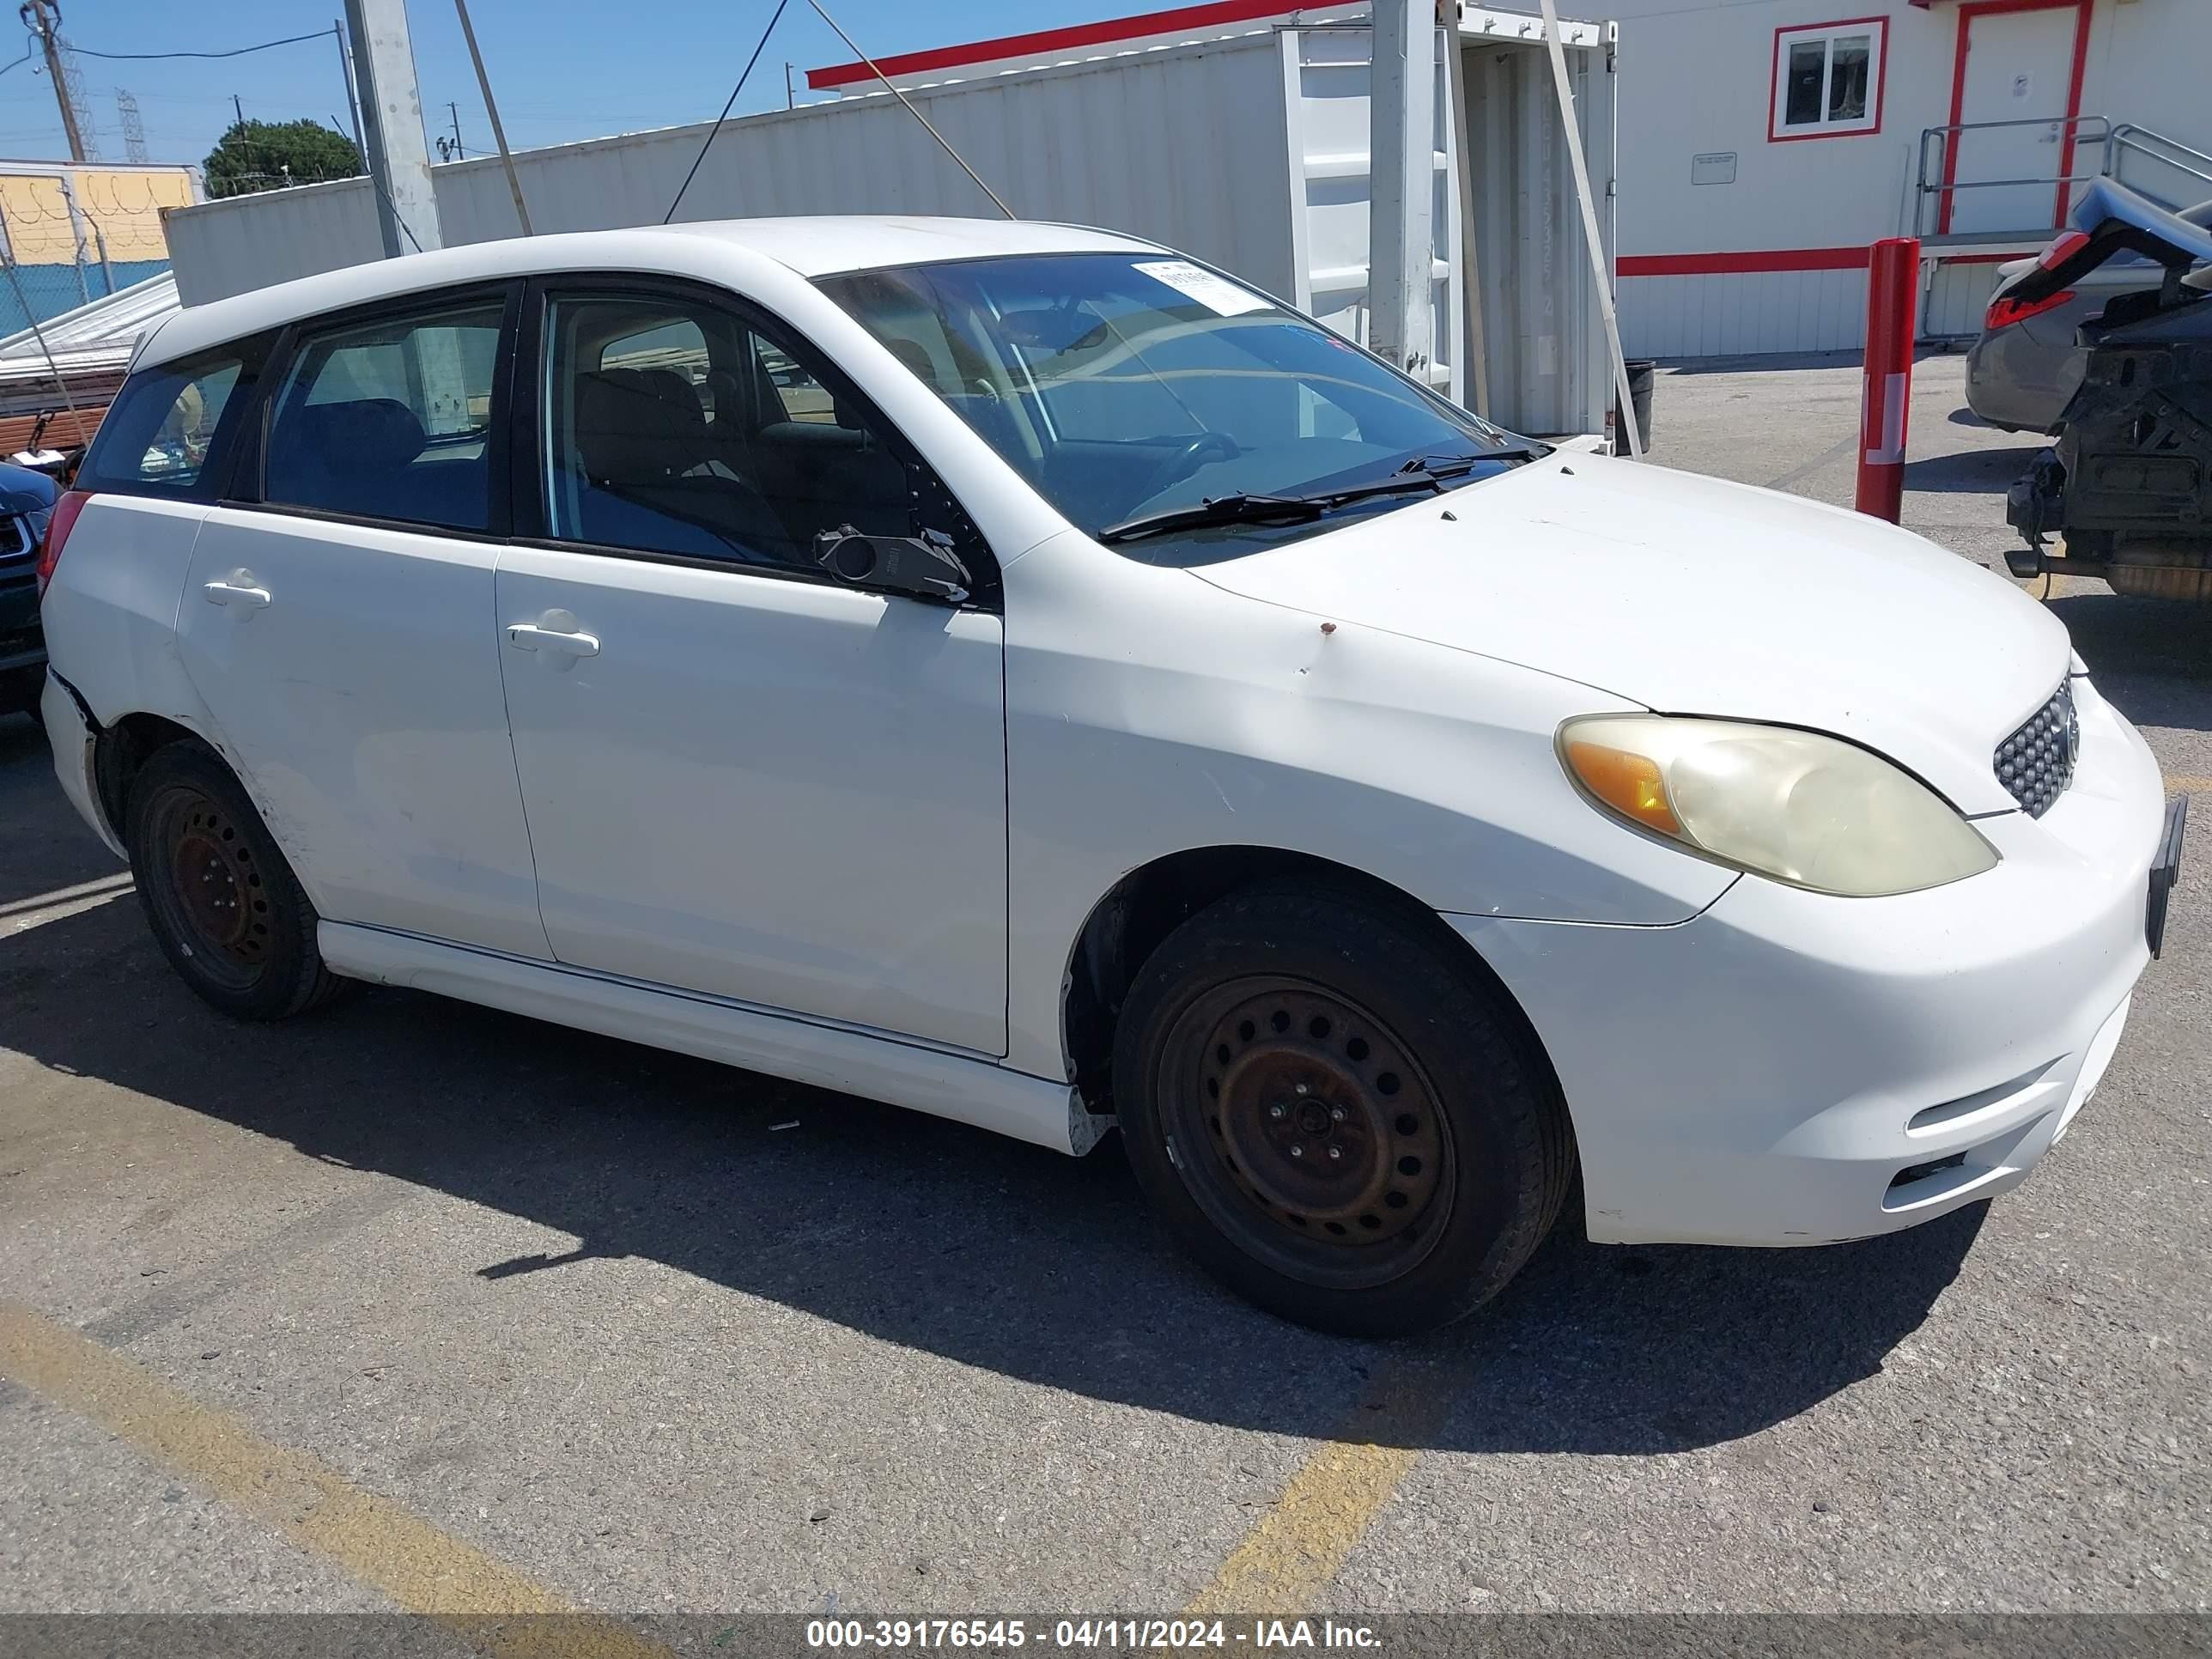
x=1917 y=1172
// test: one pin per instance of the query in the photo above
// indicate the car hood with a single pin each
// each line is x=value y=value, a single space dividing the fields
x=1693 y=596
x=24 y=491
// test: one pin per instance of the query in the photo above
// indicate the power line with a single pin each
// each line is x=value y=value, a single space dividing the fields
x=239 y=51
x=724 y=115
x=819 y=11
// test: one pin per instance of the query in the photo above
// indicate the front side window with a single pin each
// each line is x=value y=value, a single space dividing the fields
x=159 y=436
x=1827 y=80
x=673 y=426
x=390 y=419
x=1133 y=389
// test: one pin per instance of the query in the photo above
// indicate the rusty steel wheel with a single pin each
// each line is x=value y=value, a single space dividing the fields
x=1335 y=1111
x=1308 y=1132
x=214 y=886
x=223 y=903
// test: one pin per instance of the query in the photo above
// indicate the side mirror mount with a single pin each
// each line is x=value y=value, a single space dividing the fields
x=923 y=566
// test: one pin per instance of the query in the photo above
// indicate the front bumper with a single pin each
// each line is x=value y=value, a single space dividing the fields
x=1791 y=1068
x=22 y=644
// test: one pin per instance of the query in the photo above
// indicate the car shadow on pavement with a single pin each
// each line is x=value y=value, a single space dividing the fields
x=945 y=1239
x=2149 y=657
x=43 y=846
x=1973 y=472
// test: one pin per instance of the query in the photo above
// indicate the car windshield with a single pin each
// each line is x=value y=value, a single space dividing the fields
x=1165 y=408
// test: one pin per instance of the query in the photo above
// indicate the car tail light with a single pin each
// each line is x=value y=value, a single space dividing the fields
x=2063 y=249
x=2004 y=311
x=57 y=529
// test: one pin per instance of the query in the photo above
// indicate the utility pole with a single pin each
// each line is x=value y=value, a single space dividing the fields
x=353 y=98
x=397 y=153
x=43 y=18
x=238 y=109
x=459 y=154
x=1402 y=182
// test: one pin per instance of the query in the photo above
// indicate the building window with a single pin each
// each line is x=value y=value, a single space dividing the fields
x=1827 y=80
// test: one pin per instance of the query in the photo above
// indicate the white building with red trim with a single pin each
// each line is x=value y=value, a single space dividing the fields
x=1764 y=144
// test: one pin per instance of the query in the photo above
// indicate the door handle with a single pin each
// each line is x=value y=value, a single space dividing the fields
x=528 y=636
x=239 y=590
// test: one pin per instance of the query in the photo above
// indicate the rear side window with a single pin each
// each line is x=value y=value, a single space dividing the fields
x=167 y=429
x=390 y=419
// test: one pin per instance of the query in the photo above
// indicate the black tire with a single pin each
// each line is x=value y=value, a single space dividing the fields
x=217 y=892
x=1453 y=1153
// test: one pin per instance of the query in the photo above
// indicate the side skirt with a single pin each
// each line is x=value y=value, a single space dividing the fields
x=945 y=1085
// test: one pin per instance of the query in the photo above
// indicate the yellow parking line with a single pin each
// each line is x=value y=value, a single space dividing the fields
x=488 y=1603
x=2187 y=786
x=1288 y=1559
x=1297 y=1548
x=23 y=914
x=101 y=887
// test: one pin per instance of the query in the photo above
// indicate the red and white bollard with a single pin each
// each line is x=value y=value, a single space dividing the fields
x=1892 y=292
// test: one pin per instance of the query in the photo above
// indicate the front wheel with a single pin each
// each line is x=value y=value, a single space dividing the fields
x=1336 y=1115
x=222 y=903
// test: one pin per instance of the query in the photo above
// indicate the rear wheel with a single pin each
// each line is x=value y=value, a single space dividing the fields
x=1336 y=1116
x=221 y=900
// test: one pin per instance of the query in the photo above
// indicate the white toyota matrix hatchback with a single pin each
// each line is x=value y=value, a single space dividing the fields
x=1020 y=673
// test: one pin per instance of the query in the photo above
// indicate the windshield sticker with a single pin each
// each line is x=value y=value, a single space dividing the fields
x=1217 y=293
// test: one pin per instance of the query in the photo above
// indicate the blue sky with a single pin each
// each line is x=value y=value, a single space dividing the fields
x=562 y=68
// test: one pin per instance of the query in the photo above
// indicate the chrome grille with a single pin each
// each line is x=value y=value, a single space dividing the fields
x=2036 y=763
x=12 y=540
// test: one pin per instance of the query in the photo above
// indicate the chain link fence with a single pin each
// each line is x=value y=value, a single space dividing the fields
x=75 y=235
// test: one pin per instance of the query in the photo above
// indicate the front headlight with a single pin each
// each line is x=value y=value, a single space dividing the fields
x=1813 y=811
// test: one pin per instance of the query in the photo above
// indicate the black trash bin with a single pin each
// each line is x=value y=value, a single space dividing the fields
x=1641 y=373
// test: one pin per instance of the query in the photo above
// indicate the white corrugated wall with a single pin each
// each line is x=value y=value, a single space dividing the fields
x=1542 y=332
x=1187 y=146
x=1955 y=297
x=1730 y=313
x=1249 y=152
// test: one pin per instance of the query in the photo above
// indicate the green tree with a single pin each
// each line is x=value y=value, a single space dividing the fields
x=257 y=155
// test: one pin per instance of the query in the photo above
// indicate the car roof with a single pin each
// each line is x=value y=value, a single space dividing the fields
x=819 y=247
x=824 y=245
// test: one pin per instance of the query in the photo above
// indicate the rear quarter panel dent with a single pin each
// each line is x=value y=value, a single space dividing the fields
x=111 y=615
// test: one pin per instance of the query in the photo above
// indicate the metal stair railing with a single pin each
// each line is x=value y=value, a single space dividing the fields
x=1939 y=145
x=2127 y=139
x=2114 y=145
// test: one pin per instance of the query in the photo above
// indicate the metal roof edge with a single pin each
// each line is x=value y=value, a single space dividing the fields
x=87 y=334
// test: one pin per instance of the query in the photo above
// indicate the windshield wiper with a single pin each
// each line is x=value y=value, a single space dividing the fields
x=1453 y=466
x=1220 y=509
x=1422 y=472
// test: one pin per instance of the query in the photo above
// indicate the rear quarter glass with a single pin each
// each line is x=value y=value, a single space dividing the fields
x=173 y=429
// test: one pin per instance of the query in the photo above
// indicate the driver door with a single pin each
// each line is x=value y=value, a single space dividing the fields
x=742 y=777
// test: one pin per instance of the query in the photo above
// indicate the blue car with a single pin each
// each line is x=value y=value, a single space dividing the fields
x=26 y=500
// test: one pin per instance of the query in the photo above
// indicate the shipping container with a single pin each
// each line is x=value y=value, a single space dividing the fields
x=1244 y=143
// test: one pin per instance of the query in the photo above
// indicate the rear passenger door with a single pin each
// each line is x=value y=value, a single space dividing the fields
x=745 y=778
x=337 y=619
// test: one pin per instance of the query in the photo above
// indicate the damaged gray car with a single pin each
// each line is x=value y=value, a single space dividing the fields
x=2127 y=490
